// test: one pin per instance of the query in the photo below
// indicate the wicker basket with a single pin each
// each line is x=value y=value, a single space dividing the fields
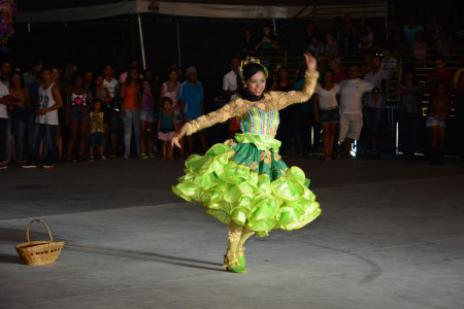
x=39 y=252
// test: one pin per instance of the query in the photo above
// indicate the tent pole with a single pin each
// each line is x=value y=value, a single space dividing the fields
x=142 y=42
x=179 y=51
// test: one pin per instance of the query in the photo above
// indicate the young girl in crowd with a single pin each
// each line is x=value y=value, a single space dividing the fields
x=103 y=95
x=18 y=114
x=147 y=118
x=171 y=89
x=166 y=127
x=326 y=111
x=97 y=129
x=77 y=117
x=436 y=121
x=130 y=94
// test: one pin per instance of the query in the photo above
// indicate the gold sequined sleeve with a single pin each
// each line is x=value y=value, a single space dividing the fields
x=233 y=109
x=284 y=99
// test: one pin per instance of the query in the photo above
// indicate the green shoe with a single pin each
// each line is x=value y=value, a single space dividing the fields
x=243 y=262
x=236 y=269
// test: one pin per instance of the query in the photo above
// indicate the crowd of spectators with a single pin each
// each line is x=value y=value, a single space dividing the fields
x=50 y=114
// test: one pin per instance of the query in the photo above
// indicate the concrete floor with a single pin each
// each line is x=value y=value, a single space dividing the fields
x=391 y=236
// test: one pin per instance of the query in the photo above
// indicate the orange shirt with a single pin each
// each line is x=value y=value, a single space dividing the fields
x=130 y=100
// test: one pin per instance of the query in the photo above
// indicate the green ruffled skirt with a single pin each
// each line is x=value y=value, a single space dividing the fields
x=246 y=182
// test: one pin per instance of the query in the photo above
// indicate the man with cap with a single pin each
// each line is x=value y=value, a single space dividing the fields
x=191 y=96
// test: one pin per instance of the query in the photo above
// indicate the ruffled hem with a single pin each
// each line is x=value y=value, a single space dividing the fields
x=232 y=192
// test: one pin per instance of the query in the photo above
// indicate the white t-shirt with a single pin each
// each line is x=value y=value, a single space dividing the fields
x=229 y=82
x=327 y=98
x=4 y=91
x=111 y=86
x=351 y=92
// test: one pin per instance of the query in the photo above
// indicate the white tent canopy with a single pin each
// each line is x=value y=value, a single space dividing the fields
x=205 y=10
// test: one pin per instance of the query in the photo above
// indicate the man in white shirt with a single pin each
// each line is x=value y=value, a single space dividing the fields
x=46 y=121
x=229 y=81
x=230 y=87
x=5 y=100
x=351 y=117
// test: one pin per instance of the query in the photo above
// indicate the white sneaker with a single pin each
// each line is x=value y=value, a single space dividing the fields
x=48 y=166
x=29 y=165
x=3 y=166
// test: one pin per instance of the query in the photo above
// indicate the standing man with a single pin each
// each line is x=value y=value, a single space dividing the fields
x=5 y=100
x=46 y=121
x=229 y=87
x=191 y=95
x=351 y=117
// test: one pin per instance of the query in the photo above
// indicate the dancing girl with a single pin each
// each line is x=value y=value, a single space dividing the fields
x=243 y=182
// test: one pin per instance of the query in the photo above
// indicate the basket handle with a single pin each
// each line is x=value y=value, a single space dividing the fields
x=28 y=227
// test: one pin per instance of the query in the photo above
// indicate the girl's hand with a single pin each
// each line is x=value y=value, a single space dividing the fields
x=311 y=62
x=179 y=135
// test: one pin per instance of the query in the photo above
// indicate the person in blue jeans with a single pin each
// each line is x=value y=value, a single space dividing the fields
x=18 y=114
x=46 y=121
x=191 y=95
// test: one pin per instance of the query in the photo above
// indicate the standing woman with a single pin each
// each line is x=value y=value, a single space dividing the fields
x=147 y=120
x=130 y=94
x=326 y=111
x=19 y=114
x=171 y=89
x=436 y=121
x=243 y=182
x=77 y=116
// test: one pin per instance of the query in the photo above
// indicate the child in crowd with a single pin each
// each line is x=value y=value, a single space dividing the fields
x=166 y=129
x=97 y=130
x=147 y=119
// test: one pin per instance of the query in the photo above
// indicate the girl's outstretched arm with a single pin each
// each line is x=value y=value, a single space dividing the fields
x=233 y=109
x=284 y=99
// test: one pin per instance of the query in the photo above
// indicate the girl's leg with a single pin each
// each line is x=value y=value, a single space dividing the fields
x=441 y=142
x=326 y=140
x=101 y=151
x=331 y=139
x=92 y=152
x=169 y=150
x=73 y=130
x=127 y=120
x=234 y=234
x=136 y=124
x=150 y=138
x=143 y=137
x=59 y=143
x=165 y=152
x=246 y=234
x=83 y=138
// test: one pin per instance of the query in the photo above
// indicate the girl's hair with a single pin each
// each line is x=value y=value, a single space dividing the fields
x=74 y=78
x=21 y=79
x=166 y=99
x=325 y=72
x=175 y=70
x=249 y=70
x=95 y=102
x=129 y=78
